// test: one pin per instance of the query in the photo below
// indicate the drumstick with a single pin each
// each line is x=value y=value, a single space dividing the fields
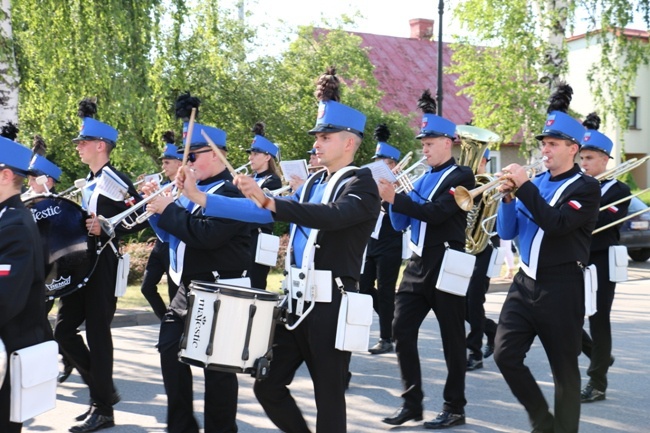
x=188 y=140
x=223 y=159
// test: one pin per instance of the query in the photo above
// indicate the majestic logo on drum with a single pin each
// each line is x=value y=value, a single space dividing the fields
x=199 y=322
x=45 y=213
x=58 y=284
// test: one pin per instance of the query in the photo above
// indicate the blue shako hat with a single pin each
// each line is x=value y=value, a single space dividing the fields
x=171 y=151
x=91 y=128
x=486 y=154
x=332 y=115
x=433 y=125
x=383 y=149
x=42 y=166
x=14 y=156
x=218 y=136
x=260 y=143
x=558 y=123
x=594 y=140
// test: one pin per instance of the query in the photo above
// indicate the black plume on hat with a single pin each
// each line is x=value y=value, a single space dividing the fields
x=592 y=122
x=427 y=104
x=184 y=104
x=169 y=136
x=38 y=146
x=87 y=108
x=327 y=86
x=259 y=129
x=560 y=99
x=382 y=134
x=10 y=131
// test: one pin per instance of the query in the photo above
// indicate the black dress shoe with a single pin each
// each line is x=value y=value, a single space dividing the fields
x=67 y=370
x=590 y=394
x=93 y=423
x=488 y=351
x=382 y=346
x=402 y=415
x=115 y=400
x=445 y=419
x=474 y=364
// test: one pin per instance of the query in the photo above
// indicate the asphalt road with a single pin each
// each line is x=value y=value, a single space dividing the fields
x=375 y=387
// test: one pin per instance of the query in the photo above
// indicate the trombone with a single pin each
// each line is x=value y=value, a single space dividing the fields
x=622 y=168
x=465 y=198
x=619 y=221
x=75 y=189
x=126 y=219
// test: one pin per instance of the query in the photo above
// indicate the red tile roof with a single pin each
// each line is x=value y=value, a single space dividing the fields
x=405 y=67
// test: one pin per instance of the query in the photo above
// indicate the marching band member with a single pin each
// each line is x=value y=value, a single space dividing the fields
x=262 y=155
x=95 y=303
x=383 y=256
x=553 y=215
x=200 y=248
x=40 y=166
x=435 y=219
x=344 y=225
x=476 y=290
x=158 y=262
x=23 y=320
x=594 y=155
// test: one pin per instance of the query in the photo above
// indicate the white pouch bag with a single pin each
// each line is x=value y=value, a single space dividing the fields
x=355 y=318
x=34 y=371
x=266 y=252
x=497 y=259
x=618 y=263
x=455 y=272
x=406 y=250
x=121 y=282
x=591 y=289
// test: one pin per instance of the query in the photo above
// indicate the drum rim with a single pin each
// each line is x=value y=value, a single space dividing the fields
x=54 y=196
x=234 y=291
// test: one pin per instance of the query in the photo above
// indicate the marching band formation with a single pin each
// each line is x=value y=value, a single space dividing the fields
x=215 y=243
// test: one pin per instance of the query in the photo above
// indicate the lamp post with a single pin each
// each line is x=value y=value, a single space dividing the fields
x=441 y=7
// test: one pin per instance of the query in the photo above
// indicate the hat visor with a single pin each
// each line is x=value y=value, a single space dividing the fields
x=557 y=134
x=91 y=138
x=432 y=134
x=17 y=171
x=333 y=128
x=598 y=149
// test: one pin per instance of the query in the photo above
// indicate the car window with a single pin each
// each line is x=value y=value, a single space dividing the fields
x=636 y=205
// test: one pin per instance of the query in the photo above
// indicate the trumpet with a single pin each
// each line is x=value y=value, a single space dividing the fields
x=243 y=169
x=156 y=177
x=406 y=178
x=277 y=192
x=465 y=198
x=399 y=167
x=126 y=219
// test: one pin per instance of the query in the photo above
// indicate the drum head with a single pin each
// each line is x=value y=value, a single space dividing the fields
x=69 y=257
x=237 y=292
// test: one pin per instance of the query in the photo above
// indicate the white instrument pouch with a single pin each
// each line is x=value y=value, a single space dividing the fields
x=591 y=289
x=34 y=371
x=406 y=250
x=353 y=326
x=497 y=259
x=618 y=263
x=315 y=285
x=455 y=272
x=266 y=252
x=121 y=281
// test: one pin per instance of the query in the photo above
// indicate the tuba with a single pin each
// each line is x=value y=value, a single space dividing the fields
x=474 y=141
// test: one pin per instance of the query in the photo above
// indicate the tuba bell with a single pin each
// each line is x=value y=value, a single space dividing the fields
x=474 y=141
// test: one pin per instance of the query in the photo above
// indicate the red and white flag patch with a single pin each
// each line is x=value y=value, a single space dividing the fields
x=612 y=209
x=4 y=270
x=575 y=204
x=452 y=190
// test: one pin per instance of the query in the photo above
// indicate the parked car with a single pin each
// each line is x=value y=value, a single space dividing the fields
x=635 y=232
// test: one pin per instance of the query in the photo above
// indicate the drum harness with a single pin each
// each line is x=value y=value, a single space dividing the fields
x=305 y=284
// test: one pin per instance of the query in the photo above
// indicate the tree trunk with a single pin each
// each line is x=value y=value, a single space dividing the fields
x=555 y=21
x=9 y=76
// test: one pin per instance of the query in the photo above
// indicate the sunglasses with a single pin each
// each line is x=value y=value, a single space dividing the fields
x=191 y=157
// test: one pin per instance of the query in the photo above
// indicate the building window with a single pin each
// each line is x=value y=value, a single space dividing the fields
x=632 y=121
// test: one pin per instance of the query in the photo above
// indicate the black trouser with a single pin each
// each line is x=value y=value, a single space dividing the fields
x=598 y=347
x=384 y=268
x=311 y=342
x=221 y=388
x=95 y=304
x=478 y=287
x=551 y=308
x=5 y=405
x=417 y=296
x=256 y=272
x=157 y=265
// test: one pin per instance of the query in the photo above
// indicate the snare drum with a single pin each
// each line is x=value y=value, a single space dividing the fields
x=229 y=328
x=68 y=257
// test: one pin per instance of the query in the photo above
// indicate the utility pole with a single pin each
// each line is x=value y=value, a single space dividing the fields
x=441 y=7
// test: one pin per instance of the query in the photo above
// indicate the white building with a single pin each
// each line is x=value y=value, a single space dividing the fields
x=635 y=140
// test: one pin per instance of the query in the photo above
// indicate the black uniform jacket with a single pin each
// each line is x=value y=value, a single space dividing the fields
x=345 y=224
x=272 y=182
x=388 y=239
x=23 y=320
x=603 y=240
